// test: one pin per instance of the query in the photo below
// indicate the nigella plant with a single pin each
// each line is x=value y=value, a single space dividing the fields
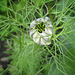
x=41 y=31
x=39 y=37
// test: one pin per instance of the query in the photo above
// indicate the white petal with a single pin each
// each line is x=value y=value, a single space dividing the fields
x=40 y=20
x=43 y=34
x=36 y=38
x=32 y=31
x=48 y=30
x=47 y=19
x=32 y=24
x=45 y=41
x=42 y=41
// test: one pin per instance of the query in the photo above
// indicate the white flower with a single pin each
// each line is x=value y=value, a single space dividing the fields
x=41 y=31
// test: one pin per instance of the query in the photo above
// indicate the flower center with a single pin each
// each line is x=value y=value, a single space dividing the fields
x=40 y=27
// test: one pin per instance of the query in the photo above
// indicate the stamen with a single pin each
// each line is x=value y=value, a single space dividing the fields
x=40 y=27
